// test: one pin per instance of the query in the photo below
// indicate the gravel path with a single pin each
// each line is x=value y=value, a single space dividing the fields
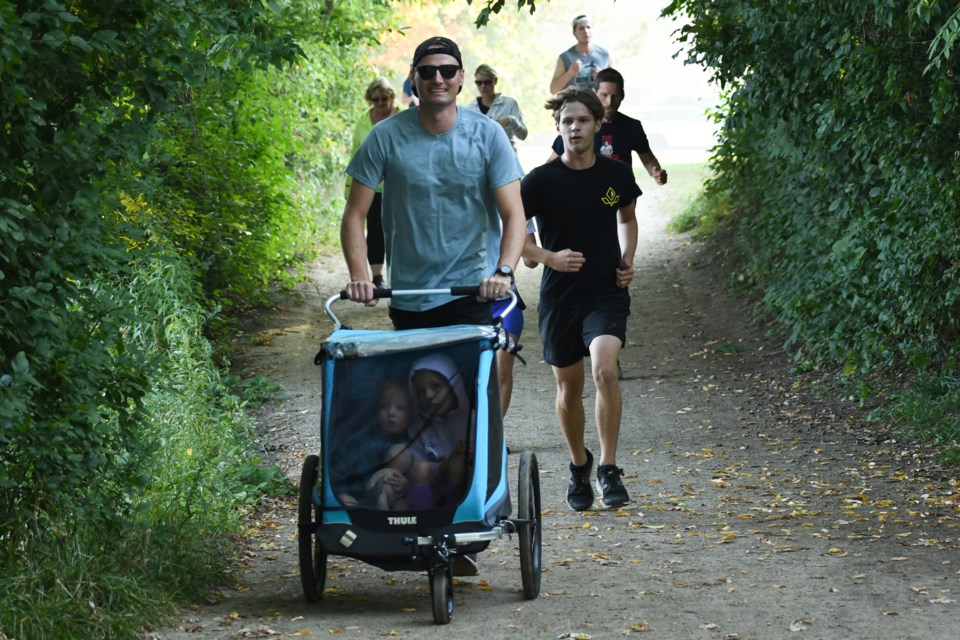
x=760 y=509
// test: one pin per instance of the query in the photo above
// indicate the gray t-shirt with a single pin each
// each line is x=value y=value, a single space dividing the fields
x=590 y=63
x=440 y=219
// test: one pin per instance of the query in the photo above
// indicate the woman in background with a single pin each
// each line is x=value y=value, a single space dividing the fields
x=501 y=108
x=380 y=96
x=506 y=111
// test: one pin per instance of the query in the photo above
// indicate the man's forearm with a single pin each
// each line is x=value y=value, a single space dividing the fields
x=560 y=81
x=512 y=243
x=534 y=253
x=561 y=76
x=627 y=231
x=650 y=162
x=514 y=232
x=352 y=238
x=354 y=248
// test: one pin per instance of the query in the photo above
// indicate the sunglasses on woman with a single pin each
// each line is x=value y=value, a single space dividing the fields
x=429 y=71
x=379 y=99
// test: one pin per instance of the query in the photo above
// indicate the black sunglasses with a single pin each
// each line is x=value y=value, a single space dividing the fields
x=481 y=83
x=379 y=99
x=429 y=71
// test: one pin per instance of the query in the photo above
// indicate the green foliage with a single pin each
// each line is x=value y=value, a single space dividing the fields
x=222 y=193
x=195 y=465
x=156 y=101
x=705 y=214
x=494 y=6
x=686 y=204
x=838 y=155
x=255 y=390
x=81 y=87
x=66 y=592
x=943 y=42
x=244 y=176
x=928 y=409
x=149 y=174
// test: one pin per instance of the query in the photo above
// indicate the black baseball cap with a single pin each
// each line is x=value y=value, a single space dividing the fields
x=437 y=44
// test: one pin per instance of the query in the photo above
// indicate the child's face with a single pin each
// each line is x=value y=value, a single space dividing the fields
x=393 y=410
x=433 y=393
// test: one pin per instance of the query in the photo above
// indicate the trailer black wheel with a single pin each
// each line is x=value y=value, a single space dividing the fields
x=529 y=531
x=313 y=557
x=441 y=592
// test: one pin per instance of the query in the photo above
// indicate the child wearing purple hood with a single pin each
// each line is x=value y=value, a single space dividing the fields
x=439 y=434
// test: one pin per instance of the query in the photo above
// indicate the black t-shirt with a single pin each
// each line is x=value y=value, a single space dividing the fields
x=616 y=140
x=577 y=209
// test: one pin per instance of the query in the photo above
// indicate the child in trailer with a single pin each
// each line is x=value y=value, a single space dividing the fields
x=386 y=453
x=440 y=454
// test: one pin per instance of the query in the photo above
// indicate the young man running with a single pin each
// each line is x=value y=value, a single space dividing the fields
x=620 y=136
x=578 y=65
x=585 y=210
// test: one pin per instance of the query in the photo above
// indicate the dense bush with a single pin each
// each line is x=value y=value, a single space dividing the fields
x=839 y=156
x=245 y=177
x=159 y=161
x=141 y=539
x=83 y=87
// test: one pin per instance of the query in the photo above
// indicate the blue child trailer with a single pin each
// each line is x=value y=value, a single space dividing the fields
x=412 y=472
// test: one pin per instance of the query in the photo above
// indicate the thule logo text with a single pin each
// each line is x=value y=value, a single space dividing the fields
x=401 y=519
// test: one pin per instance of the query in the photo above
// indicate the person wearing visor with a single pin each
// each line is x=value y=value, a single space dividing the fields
x=579 y=65
x=450 y=181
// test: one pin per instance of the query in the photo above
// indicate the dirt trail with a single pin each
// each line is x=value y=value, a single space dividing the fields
x=759 y=510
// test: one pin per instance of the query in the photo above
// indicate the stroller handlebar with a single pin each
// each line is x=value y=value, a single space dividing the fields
x=383 y=292
x=455 y=292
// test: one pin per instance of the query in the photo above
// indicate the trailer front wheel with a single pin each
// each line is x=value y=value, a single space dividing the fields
x=441 y=591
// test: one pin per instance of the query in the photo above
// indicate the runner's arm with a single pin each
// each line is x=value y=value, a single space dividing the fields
x=567 y=260
x=627 y=231
x=652 y=165
x=562 y=76
x=531 y=239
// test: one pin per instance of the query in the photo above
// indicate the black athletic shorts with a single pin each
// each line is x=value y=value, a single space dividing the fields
x=461 y=311
x=567 y=331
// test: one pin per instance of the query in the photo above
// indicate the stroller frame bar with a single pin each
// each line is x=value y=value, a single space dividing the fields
x=397 y=293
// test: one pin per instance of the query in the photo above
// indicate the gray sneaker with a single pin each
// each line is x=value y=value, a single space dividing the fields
x=579 y=491
x=609 y=484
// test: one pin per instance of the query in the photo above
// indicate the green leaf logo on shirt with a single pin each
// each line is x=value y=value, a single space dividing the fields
x=611 y=199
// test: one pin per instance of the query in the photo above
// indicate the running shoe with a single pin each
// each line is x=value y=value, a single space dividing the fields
x=579 y=491
x=609 y=484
